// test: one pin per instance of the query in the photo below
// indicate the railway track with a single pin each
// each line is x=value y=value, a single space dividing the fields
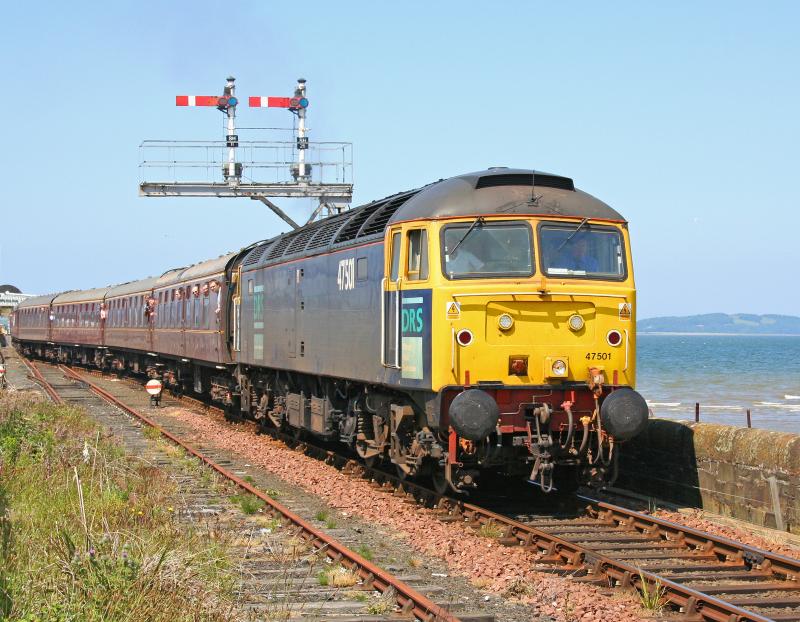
x=280 y=577
x=701 y=576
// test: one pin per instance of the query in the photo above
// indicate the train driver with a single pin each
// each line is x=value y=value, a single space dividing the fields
x=576 y=256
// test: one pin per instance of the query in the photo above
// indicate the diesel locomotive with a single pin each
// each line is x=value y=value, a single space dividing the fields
x=481 y=323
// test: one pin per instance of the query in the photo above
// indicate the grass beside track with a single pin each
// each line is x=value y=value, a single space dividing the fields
x=89 y=533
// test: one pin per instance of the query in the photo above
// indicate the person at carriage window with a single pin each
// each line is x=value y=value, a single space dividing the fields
x=575 y=255
x=216 y=290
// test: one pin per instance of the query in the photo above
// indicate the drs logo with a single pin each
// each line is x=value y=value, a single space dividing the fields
x=346 y=278
x=413 y=321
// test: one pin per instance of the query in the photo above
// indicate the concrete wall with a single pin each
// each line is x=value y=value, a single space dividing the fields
x=749 y=474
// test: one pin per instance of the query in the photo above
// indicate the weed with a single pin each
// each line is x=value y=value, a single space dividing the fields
x=330 y=523
x=383 y=604
x=94 y=538
x=321 y=516
x=249 y=479
x=272 y=493
x=490 y=529
x=248 y=503
x=414 y=562
x=652 y=597
x=365 y=552
x=337 y=576
x=151 y=433
x=519 y=588
x=357 y=595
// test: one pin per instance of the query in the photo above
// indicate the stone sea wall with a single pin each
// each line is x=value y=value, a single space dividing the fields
x=749 y=474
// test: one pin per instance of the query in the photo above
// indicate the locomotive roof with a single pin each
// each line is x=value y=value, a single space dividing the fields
x=504 y=191
x=494 y=191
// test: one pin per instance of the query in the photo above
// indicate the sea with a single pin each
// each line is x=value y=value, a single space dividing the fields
x=725 y=374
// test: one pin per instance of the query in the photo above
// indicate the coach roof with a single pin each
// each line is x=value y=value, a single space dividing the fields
x=81 y=295
x=36 y=301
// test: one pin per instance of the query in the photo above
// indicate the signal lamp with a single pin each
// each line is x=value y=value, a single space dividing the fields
x=232 y=101
x=464 y=337
x=517 y=365
x=505 y=321
x=575 y=322
x=614 y=338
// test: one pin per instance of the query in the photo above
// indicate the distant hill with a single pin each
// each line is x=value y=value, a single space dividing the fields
x=738 y=323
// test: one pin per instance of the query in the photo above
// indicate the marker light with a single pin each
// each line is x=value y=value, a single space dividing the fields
x=505 y=321
x=517 y=365
x=575 y=322
x=464 y=337
x=614 y=338
x=559 y=368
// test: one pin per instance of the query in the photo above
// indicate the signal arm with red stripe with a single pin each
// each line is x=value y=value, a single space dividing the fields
x=293 y=103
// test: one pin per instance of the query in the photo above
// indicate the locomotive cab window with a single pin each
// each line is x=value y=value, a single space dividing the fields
x=487 y=250
x=582 y=251
x=396 y=240
x=417 y=255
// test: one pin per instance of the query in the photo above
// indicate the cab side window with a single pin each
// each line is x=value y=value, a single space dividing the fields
x=417 y=262
x=395 y=272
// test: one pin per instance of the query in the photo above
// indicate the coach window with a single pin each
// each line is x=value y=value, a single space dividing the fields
x=198 y=309
x=417 y=262
x=395 y=273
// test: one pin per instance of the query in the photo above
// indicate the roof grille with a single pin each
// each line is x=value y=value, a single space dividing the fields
x=357 y=219
x=377 y=222
x=326 y=232
x=300 y=240
x=525 y=179
x=255 y=254
x=280 y=246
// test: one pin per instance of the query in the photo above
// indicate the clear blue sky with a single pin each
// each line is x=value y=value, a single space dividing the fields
x=684 y=116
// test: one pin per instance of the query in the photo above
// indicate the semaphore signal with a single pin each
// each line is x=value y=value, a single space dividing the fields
x=310 y=166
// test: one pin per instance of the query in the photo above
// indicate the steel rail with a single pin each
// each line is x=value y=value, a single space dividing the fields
x=39 y=379
x=569 y=557
x=725 y=547
x=574 y=557
x=411 y=601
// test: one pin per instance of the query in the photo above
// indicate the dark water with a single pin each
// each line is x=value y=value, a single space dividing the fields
x=726 y=374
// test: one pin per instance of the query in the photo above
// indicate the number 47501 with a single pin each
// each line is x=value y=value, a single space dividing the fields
x=598 y=356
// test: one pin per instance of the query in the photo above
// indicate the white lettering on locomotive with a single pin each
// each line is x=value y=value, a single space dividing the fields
x=346 y=277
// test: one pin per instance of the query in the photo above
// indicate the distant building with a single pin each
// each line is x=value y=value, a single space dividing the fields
x=10 y=297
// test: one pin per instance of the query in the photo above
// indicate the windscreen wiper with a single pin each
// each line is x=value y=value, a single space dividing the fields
x=478 y=221
x=572 y=235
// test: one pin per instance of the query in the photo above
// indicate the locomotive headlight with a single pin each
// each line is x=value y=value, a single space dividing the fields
x=505 y=321
x=575 y=322
x=559 y=368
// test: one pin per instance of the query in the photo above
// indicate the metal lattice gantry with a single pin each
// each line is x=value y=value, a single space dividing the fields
x=255 y=169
